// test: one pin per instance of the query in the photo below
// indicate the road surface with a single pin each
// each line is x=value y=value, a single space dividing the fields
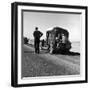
x=45 y=64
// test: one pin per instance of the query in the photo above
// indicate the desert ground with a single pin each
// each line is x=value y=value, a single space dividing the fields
x=45 y=64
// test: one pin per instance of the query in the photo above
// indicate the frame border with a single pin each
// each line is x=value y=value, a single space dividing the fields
x=14 y=43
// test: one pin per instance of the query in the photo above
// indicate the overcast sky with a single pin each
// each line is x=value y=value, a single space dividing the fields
x=42 y=20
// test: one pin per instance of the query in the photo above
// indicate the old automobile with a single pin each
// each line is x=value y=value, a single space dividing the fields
x=58 y=40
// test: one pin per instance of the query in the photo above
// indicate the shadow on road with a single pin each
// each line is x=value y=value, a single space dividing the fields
x=68 y=53
x=63 y=53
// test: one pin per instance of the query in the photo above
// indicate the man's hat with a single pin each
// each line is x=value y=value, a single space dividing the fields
x=36 y=28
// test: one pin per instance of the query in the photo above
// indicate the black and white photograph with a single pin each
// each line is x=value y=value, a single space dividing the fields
x=51 y=44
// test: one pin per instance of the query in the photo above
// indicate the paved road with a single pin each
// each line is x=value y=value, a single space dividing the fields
x=70 y=64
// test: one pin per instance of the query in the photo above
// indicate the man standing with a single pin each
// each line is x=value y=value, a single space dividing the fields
x=37 y=35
